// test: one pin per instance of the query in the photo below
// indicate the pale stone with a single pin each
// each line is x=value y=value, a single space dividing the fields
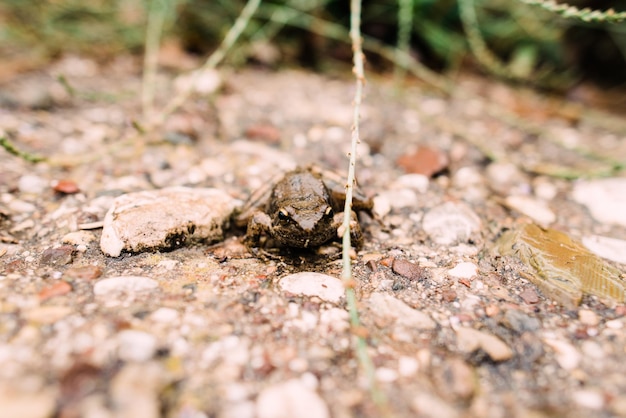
x=165 y=219
x=290 y=399
x=464 y=270
x=605 y=199
x=323 y=286
x=124 y=284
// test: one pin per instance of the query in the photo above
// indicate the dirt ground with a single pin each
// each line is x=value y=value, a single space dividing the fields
x=207 y=330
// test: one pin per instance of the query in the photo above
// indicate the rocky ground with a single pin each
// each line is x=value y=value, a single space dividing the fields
x=454 y=327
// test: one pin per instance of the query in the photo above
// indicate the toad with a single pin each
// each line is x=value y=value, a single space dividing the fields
x=303 y=209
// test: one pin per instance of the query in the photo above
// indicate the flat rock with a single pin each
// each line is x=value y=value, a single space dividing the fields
x=534 y=208
x=465 y=270
x=451 y=223
x=124 y=284
x=290 y=399
x=165 y=219
x=323 y=286
x=387 y=306
x=469 y=340
x=610 y=248
x=605 y=199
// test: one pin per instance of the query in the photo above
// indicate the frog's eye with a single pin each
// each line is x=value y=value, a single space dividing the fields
x=283 y=214
x=329 y=211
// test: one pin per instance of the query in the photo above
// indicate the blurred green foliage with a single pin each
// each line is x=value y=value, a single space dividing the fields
x=528 y=41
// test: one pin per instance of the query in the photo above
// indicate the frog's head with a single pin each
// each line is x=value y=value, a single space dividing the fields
x=304 y=226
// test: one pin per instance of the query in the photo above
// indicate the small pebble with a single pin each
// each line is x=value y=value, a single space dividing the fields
x=589 y=398
x=290 y=399
x=464 y=270
x=605 y=199
x=83 y=272
x=407 y=269
x=529 y=295
x=451 y=223
x=566 y=354
x=469 y=340
x=535 y=209
x=136 y=345
x=520 y=322
x=325 y=287
x=57 y=289
x=57 y=256
x=78 y=238
x=388 y=307
x=65 y=187
x=425 y=160
x=588 y=317
x=610 y=248
x=417 y=182
x=124 y=284
x=32 y=184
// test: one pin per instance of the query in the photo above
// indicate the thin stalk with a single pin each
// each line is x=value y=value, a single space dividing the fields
x=346 y=274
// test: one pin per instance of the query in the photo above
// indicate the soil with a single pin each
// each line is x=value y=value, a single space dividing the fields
x=206 y=330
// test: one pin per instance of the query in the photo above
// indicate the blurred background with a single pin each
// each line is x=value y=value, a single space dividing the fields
x=525 y=43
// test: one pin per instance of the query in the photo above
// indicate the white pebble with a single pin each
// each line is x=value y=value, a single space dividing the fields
x=136 y=345
x=464 y=270
x=124 y=284
x=290 y=399
x=325 y=287
x=605 y=199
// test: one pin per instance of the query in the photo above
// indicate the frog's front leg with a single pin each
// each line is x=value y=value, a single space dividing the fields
x=259 y=224
x=356 y=236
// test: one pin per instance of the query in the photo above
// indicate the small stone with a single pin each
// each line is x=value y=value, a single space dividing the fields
x=427 y=161
x=124 y=284
x=47 y=314
x=83 y=273
x=323 y=286
x=610 y=248
x=566 y=354
x=32 y=184
x=451 y=223
x=264 y=132
x=456 y=379
x=407 y=269
x=469 y=340
x=588 y=317
x=78 y=238
x=588 y=398
x=449 y=295
x=65 y=187
x=290 y=399
x=529 y=295
x=605 y=199
x=407 y=366
x=165 y=219
x=14 y=402
x=533 y=208
x=165 y=315
x=520 y=322
x=57 y=256
x=57 y=289
x=136 y=345
x=137 y=390
x=464 y=270
x=388 y=307
x=202 y=82
x=382 y=206
x=417 y=182
x=429 y=405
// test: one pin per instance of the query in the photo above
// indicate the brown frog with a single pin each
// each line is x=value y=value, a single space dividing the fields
x=301 y=210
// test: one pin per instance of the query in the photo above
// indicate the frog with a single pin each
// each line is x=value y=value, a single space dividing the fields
x=301 y=209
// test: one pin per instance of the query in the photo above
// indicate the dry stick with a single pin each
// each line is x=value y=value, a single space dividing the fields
x=346 y=274
x=216 y=57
